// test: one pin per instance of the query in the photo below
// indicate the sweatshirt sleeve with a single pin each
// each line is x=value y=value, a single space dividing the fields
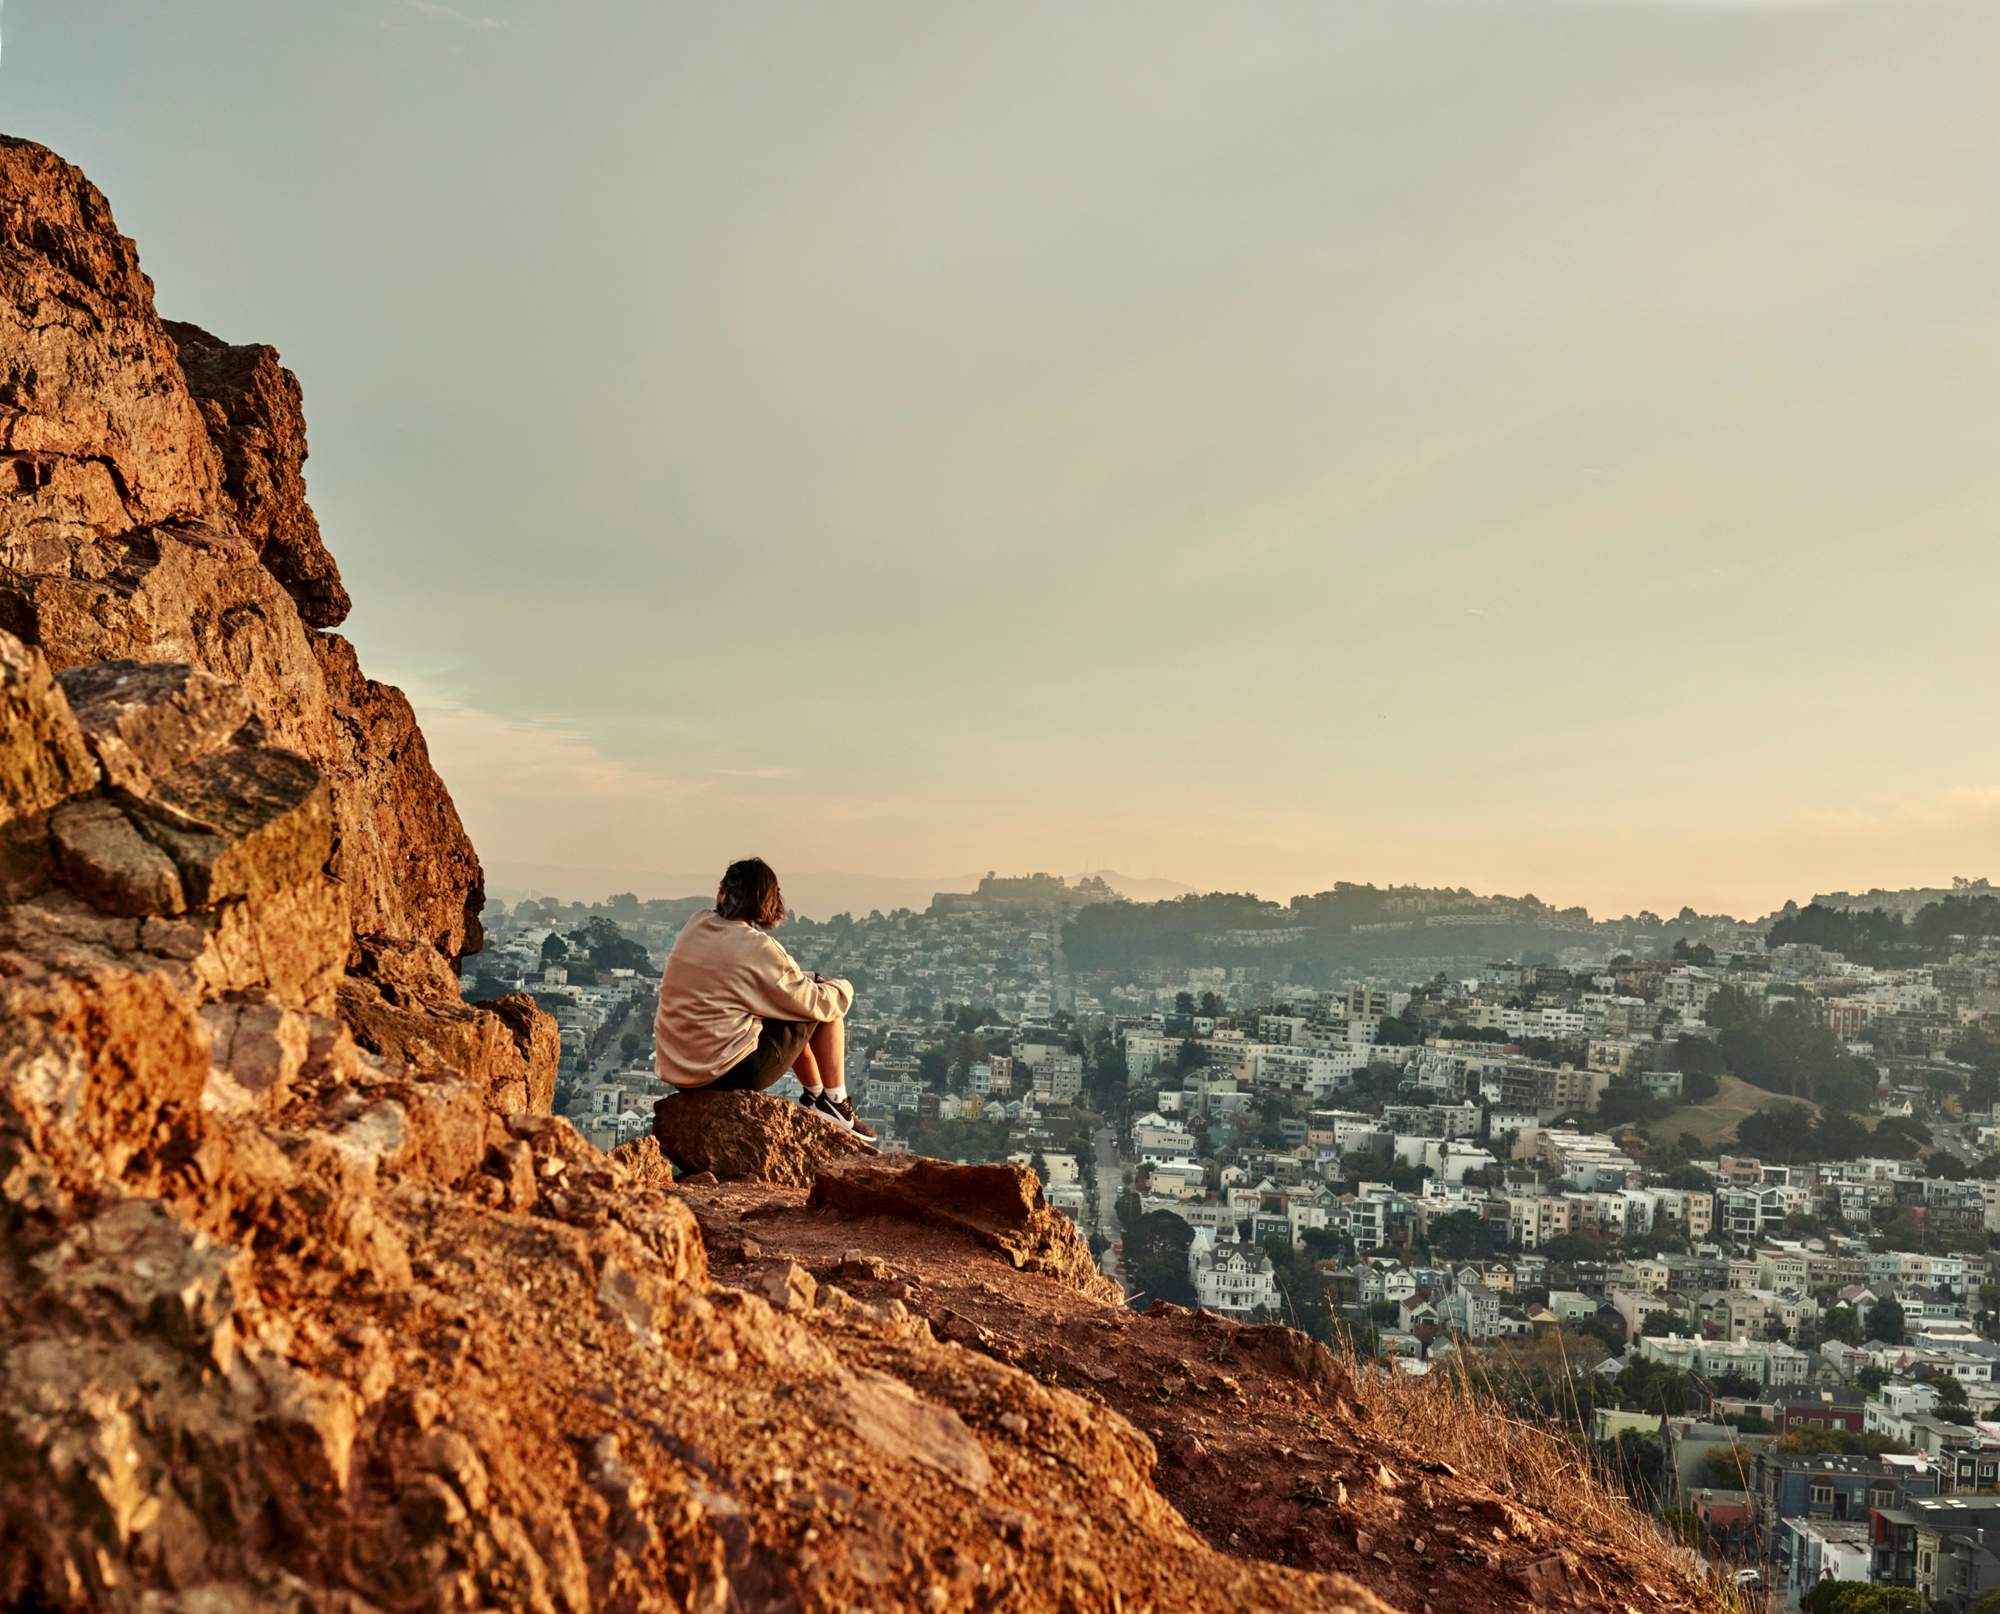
x=783 y=991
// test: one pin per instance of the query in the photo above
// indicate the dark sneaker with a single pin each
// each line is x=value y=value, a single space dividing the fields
x=844 y=1108
x=820 y=1105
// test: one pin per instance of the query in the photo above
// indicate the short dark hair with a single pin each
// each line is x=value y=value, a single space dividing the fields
x=749 y=890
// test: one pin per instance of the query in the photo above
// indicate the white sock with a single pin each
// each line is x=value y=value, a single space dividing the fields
x=810 y=1087
x=837 y=1094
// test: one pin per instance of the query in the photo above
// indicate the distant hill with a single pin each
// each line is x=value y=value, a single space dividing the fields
x=1137 y=888
x=1715 y=1122
x=811 y=894
x=1908 y=901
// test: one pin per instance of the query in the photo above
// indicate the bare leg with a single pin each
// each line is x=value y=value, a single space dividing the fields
x=828 y=1053
x=806 y=1068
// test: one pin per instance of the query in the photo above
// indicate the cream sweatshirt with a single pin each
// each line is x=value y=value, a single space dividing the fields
x=723 y=980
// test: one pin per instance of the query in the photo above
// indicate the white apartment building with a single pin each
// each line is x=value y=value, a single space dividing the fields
x=1534 y=1219
x=1767 y=1362
x=1233 y=1279
x=1154 y=1137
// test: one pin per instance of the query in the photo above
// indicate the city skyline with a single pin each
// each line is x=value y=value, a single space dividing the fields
x=1534 y=447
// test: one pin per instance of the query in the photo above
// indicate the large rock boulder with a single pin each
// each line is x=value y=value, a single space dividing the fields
x=156 y=515
x=215 y=842
x=1000 y=1207
x=746 y=1137
x=156 y=512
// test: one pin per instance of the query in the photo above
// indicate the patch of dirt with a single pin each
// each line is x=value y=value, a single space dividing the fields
x=1257 y=1441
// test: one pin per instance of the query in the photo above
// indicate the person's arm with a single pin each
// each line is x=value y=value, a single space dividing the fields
x=780 y=990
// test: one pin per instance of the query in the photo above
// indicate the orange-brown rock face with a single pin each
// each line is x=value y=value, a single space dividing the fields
x=741 y=1137
x=152 y=508
x=304 y=1308
x=153 y=511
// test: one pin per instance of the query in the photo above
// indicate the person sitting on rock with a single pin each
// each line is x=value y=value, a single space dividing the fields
x=736 y=1011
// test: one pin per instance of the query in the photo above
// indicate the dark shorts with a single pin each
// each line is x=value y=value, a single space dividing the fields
x=778 y=1048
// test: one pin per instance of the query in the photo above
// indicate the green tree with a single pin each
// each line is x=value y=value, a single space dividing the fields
x=1394 y=1032
x=1858 y=1597
x=1951 y=1399
x=1838 y=1135
x=1699 y=1088
x=1728 y=1469
x=1901 y=1137
x=1622 y=1103
x=1156 y=1259
x=1811 y=1440
x=1569 y=1248
x=1696 y=1056
x=1886 y=1322
x=1459 y=1236
x=1776 y=1132
x=1644 y=1386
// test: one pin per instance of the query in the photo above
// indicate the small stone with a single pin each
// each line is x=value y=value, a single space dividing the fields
x=789 y=1287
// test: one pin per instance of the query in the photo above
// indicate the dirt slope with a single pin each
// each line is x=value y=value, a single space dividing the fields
x=1257 y=1438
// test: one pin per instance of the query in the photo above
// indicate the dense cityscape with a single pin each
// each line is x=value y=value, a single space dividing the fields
x=1721 y=1196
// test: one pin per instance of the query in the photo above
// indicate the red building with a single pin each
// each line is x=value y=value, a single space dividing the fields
x=1819 y=1412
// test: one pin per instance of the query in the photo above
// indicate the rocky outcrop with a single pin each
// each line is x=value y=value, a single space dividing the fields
x=509 y=1043
x=100 y=435
x=158 y=820
x=293 y=1317
x=289 y=1322
x=255 y=417
x=1000 y=1207
x=746 y=1137
x=153 y=511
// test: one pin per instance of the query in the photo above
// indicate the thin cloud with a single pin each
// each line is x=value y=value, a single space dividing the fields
x=437 y=11
x=1945 y=809
x=534 y=760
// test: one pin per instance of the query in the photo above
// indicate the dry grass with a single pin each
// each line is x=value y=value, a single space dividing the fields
x=1716 y=1121
x=1457 y=1418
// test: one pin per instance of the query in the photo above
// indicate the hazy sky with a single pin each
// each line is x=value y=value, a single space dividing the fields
x=1531 y=445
